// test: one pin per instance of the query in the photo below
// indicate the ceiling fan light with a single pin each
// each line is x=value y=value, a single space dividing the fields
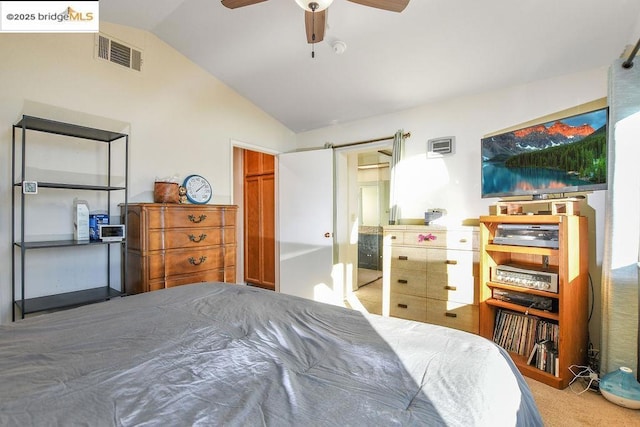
x=322 y=4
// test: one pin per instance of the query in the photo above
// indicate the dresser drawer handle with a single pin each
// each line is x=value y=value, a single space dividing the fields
x=451 y=262
x=201 y=218
x=195 y=239
x=403 y=258
x=451 y=315
x=393 y=237
x=193 y=261
x=451 y=288
x=403 y=306
x=426 y=237
x=463 y=240
x=403 y=281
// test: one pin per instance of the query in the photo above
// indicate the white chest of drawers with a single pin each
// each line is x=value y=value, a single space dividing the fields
x=430 y=274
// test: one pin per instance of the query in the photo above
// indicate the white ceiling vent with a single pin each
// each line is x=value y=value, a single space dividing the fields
x=440 y=146
x=109 y=49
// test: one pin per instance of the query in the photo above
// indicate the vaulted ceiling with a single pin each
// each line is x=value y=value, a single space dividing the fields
x=433 y=50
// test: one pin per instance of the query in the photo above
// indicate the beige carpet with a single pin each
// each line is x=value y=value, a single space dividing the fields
x=566 y=408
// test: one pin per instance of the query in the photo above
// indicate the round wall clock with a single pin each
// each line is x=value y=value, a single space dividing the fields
x=199 y=190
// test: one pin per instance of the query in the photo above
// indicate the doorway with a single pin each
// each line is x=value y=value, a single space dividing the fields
x=373 y=186
x=254 y=193
x=348 y=214
x=259 y=220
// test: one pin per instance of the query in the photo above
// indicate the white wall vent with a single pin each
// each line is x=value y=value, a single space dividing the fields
x=109 y=49
x=440 y=146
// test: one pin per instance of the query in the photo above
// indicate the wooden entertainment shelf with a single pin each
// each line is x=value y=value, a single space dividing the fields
x=569 y=261
x=554 y=206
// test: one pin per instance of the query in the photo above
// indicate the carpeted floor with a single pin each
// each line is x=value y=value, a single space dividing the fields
x=567 y=408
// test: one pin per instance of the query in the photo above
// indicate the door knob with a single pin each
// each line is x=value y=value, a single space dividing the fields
x=327 y=235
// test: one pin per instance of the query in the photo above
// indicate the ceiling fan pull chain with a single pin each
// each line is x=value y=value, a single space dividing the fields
x=313 y=7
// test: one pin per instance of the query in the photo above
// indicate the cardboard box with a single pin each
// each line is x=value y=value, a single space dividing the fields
x=95 y=221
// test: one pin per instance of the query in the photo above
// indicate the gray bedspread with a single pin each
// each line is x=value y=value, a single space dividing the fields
x=215 y=355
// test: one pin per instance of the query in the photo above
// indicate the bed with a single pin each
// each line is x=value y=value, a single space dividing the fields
x=220 y=354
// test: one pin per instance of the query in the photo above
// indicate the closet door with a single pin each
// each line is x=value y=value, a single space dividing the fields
x=259 y=204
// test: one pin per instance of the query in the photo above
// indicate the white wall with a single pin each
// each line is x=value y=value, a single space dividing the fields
x=453 y=182
x=180 y=119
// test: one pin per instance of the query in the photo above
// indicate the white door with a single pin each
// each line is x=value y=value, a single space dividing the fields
x=305 y=224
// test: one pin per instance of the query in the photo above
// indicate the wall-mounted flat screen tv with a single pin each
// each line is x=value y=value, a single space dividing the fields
x=562 y=156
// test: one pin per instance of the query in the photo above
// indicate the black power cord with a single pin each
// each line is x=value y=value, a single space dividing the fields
x=593 y=355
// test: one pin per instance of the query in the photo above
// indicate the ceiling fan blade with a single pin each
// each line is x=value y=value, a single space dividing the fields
x=315 y=25
x=233 y=4
x=391 y=5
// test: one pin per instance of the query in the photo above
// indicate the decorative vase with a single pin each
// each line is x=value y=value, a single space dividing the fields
x=620 y=387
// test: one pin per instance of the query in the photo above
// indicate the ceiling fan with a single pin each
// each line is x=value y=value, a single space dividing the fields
x=315 y=14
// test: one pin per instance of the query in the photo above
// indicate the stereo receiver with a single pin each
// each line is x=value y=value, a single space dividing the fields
x=526 y=300
x=514 y=275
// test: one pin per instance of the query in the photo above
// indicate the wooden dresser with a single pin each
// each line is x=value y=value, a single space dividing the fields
x=430 y=274
x=171 y=245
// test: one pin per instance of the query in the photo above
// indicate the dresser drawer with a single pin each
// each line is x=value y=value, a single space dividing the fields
x=453 y=315
x=461 y=289
x=156 y=266
x=230 y=255
x=204 y=276
x=393 y=238
x=189 y=261
x=452 y=262
x=434 y=237
x=184 y=238
x=463 y=239
x=408 y=307
x=426 y=238
x=408 y=258
x=163 y=265
x=451 y=239
x=409 y=282
x=452 y=275
x=198 y=217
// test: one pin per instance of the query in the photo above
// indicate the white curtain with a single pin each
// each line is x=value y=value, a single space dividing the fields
x=396 y=156
x=622 y=223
